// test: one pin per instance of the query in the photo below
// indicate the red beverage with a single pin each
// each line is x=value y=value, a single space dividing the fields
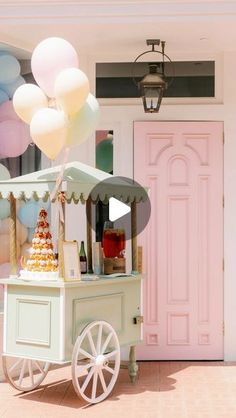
x=114 y=243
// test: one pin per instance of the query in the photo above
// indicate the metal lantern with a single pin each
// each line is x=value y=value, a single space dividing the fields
x=153 y=84
x=152 y=88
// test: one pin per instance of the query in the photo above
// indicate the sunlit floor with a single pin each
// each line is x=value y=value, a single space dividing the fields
x=163 y=390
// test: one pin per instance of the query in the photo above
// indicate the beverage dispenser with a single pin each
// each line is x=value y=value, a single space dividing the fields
x=113 y=249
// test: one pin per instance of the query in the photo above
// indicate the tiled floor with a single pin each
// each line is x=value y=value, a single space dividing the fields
x=163 y=390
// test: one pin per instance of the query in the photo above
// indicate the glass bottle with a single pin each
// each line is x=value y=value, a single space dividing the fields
x=83 y=258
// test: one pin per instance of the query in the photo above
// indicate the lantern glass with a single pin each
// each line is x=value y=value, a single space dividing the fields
x=152 y=97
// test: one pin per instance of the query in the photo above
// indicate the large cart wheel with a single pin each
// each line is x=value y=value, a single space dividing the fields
x=96 y=361
x=24 y=374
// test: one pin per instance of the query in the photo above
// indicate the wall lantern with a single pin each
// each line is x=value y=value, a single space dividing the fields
x=153 y=84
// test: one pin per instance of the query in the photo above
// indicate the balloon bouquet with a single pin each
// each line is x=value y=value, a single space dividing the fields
x=60 y=110
x=14 y=134
x=61 y=113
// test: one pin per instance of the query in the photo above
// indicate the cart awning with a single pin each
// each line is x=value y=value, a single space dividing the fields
x=79 y=183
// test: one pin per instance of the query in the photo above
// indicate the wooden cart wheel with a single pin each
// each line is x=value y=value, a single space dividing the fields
x=96 y=361
x=24 y=374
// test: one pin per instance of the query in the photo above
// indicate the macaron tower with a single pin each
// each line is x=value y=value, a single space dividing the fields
x=42 y=257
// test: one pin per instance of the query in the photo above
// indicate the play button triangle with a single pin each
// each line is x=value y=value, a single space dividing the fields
x=117 y=209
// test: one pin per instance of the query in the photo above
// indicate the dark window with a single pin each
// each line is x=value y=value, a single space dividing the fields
x=185 y=79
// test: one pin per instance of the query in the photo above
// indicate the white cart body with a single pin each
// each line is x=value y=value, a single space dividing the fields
x=42 y=320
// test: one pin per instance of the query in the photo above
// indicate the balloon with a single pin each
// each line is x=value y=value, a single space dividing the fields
x=7 y=112
x=84 y=122
x=104 y=155
x=3 y=97
x=49 y=58
x=5 y=249
x=71 y=90
x=21 y=230
x=27 y=100
x=4 y=209
x=28 y=214
x=31 y=232
x=14 y=138
x=4 y=173
x=25 y=249
x=10 y=69
x=4 y=273
x=48 y=131
x=10 y=88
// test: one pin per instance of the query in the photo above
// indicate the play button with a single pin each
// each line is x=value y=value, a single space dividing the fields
x=112 y=200
x=117 y=209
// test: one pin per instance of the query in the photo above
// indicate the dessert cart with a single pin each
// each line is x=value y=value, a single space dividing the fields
x=79 y=322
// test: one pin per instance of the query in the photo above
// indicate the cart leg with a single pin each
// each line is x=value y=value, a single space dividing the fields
x=132 y=367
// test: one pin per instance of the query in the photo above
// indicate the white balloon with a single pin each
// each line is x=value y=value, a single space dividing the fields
x=48 y=130
x=27 y=100
x=71 y=90
x=4 y=173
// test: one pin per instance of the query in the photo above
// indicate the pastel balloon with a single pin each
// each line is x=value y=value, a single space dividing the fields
x=10 y=88
x=7 y=112
x=5 y=249
x=14 y=138
x=48 y=131
x=104 y=155
x=5 y=269
x=21 y=230
x=27 y=100
x=4 y=209
x=10 y=69
x=30 y=235
x=25 y=249
x=71 y=90
x=84 y=122
x=3 y=97
x=4 y=173
x=28 y=214
x=49 y=58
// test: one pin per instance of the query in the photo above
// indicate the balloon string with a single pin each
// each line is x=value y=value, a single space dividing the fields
x=53 y=194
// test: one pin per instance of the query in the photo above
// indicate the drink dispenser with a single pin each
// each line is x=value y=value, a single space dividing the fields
x=113 y=249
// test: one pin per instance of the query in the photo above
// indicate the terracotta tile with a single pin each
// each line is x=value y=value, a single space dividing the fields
x=163 y=390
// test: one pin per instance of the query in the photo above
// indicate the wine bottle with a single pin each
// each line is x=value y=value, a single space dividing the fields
x=83 y=258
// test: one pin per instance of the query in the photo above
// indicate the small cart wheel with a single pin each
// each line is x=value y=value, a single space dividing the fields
x=96 y=361
x=24 y=374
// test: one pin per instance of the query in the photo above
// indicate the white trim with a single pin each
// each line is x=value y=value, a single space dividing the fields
x=116 y=11
x=5 y=320
x=62 y=325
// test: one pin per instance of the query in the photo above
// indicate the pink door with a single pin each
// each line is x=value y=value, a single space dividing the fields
x=182 y=164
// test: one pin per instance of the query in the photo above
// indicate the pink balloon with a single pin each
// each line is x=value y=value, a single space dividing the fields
x=4 y=270
x=7 y=112
x=49 y=58
x=14 y=138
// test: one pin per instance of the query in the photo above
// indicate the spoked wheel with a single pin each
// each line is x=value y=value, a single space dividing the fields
x=96 y=361
x=24 y=374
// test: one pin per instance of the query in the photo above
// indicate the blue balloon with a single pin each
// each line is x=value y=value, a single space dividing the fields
x=104 y=155
x=10 y=88
x=28 y=214
x=30 y=234
x=3 y=97
x=5 y=53
x=4 y=209
x=9 y=69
